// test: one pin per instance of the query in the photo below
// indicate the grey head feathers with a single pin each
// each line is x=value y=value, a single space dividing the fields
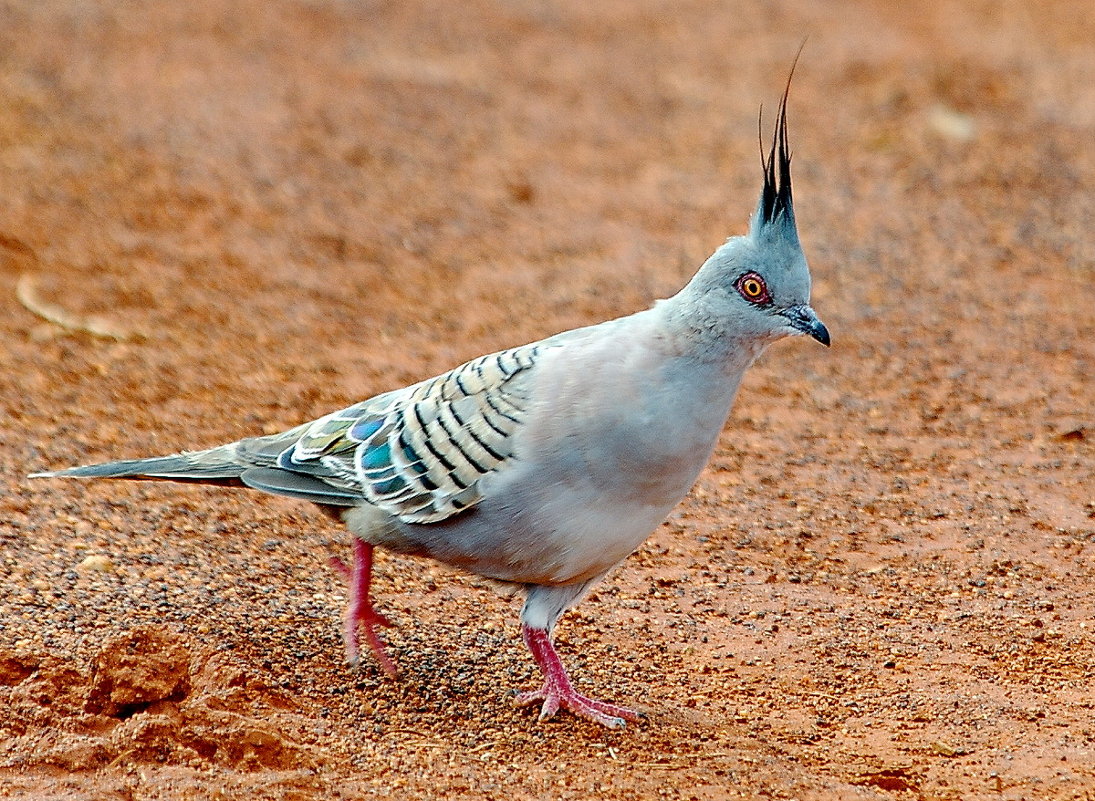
x=754 y=289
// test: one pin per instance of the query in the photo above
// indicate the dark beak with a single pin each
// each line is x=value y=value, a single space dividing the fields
x=804 y=319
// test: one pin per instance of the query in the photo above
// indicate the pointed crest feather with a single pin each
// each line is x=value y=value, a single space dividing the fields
x=775 y=199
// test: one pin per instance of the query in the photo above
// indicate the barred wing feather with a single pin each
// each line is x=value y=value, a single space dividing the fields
x=419 y=453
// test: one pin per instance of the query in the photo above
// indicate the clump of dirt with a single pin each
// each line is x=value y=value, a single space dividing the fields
x=223 y=219
x=133 y=672
x=148 y=698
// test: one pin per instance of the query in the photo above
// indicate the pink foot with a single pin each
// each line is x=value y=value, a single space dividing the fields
x=558 y=692
x=359 y=611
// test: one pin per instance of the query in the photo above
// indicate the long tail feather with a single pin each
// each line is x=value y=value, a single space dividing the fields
x=214 y=466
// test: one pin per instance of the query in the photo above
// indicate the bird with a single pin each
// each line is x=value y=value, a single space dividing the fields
x=542 y=466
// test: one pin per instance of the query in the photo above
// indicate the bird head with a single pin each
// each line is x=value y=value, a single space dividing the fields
x=758 y=285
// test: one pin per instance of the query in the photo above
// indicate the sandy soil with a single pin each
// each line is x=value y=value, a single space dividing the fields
x=881 y=587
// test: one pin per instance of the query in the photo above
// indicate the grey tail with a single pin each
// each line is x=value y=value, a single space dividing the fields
x=239 y=464
x=214 y=466
x=296 y=485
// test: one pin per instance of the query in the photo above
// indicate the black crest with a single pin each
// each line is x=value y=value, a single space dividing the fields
x=775 y=197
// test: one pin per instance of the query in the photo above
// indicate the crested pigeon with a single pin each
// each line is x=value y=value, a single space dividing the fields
x=542 y=466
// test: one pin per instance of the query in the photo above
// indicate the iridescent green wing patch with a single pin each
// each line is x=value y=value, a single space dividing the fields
x=419 y=453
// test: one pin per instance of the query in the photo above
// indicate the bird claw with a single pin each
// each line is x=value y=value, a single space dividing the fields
x=373 y=618
x=360 y=612
x=353 y=649
x=555 y=697
x=340 y=567
x=557 y=691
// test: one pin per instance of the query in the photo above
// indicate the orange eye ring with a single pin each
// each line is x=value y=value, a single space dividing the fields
x=752 y=287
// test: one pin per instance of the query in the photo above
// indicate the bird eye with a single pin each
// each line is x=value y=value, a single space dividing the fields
x=752 y=287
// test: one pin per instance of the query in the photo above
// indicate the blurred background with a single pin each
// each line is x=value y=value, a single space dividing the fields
x=225 y=218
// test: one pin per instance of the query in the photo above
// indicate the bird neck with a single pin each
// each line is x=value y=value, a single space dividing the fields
x=695 y=329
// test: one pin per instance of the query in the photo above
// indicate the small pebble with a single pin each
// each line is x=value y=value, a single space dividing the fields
x=97 y=562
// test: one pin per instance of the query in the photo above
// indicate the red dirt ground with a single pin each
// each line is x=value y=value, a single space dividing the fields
x=882 y=587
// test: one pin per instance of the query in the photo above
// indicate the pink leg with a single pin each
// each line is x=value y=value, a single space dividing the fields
x=558 y=691
x=359 y=611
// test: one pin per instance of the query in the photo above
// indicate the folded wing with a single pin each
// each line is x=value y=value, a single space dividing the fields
x=417 y=453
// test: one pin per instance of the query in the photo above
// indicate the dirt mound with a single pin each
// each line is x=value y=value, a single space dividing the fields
x=150 y=697
x=220 y=219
